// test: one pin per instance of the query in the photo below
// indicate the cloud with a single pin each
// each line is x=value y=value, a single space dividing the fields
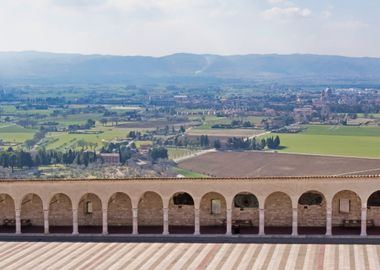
x=286 y=13
x=274 y=2
x=78 y=3
x=326 y=13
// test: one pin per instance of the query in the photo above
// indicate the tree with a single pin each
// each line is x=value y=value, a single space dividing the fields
x=217 y=144
x=277 y=142
x=90 y=123
x=104 y=121
x=159 y=152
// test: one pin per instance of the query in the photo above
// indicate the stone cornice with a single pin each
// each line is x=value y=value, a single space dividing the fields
x=322 y=177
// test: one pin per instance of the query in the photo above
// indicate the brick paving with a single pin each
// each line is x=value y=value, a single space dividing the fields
x=161 y=255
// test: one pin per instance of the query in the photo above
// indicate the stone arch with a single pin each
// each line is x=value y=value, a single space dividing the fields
x=311 y=209
x=213 y=213
x=90 y=215
x=373 y=213
x=346 y=212
x=181 y=213
x=60 y=214
x=119 y=213
x=150 y=213
x=278 y=213
x=245 y=213
x=7 y=214
x=32 y=214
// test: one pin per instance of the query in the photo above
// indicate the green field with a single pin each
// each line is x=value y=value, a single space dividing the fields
x=63 y=140
x=14 y=133
x=213 y=120
x=74 y=119
x=334 y=140
x=188 y=173
x=175 y=153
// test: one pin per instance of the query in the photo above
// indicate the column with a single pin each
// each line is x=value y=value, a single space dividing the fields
x=229 y=222
x=18 y=221
x=196 y=222
x=364 y=222
x=328 y=221
x=261 y=221
x=46 y=221
x=135 y=221
x=75 y=221
x=166 y=221
x=295 y=222
x=105 y=221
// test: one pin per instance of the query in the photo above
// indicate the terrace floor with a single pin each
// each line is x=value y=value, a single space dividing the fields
x=161 y=255
x=190 y=230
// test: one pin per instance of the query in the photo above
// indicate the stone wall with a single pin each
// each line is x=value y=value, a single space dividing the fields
x=312 y=215
x=150 y=211
x=60 y=211
x=373 y=213
x=278 y=210
x=119 y=210
x=206 y=217
x=246 y=214
x=7 y=208
x=32 y=209
x=93 y=219
x=355 y=207
x=181 y=215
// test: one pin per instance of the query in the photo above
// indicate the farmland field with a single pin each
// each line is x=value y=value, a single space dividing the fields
x=213 y=120
x=175 y=153
x=62 y=140
x=188 y=173
x=251 y=164
x=334 y=140
x=15 y=133
x=223 y=132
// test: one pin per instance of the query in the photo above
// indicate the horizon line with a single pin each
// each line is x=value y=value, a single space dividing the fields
x=184 y=53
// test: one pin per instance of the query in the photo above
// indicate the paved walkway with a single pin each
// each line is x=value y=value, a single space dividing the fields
x=85 y=255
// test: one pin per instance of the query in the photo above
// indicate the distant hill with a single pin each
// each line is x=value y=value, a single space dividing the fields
x=40 y=67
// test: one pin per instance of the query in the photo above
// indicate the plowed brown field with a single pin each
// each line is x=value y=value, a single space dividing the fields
x=251 y=164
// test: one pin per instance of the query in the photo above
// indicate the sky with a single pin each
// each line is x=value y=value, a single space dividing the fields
x=162 y=27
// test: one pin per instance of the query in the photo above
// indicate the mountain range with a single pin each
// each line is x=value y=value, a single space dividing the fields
x=42 y=67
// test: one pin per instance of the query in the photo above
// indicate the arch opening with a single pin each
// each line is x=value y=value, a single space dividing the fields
x=245 y=214
x=181 y=213
x=346 y=213
x=8 y=215
x=119 y=213
x=373 y=214
x=278 y=214
x=90 y=216
x=150 y=213
x=312 y=213
x=213 y=214
x=32 y=214
x=60 y=214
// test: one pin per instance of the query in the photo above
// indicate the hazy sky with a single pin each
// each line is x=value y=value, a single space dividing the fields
x=160 y=27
